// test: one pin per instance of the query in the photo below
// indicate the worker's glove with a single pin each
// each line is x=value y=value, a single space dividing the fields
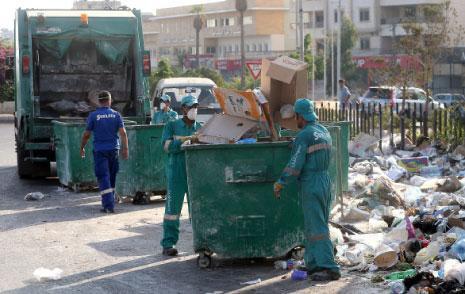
x=277 y=187
x=183 y=138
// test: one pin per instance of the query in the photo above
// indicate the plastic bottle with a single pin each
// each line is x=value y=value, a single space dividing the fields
x=395 y=276
x=298 y=275
x=397 y=287
x=410 y=228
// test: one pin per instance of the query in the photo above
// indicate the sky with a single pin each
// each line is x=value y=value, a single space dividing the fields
x=7 y=12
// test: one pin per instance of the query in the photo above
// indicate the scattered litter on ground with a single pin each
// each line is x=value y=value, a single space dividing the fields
x=253 y=282
x=34 y=196
x=44 y=274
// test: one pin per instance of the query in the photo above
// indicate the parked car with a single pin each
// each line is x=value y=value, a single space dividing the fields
x=176 y=88
x=449 y=99
x=393 y=95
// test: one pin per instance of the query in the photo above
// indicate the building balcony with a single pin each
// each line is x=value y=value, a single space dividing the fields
x=387 y=3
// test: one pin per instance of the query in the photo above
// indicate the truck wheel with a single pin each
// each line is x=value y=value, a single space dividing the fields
x=28 y=169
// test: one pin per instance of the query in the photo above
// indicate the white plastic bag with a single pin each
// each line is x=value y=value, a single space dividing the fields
x=45 y=274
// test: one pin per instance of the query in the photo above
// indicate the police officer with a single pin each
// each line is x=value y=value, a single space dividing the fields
x=106 y=123
x=165 y=114
x=309 y=163
x=175 y=134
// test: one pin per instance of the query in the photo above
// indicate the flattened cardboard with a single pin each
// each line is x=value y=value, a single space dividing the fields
x=238 y=103
x=225 y=129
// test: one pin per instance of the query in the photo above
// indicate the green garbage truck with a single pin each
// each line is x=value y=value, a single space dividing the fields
x=63 y=58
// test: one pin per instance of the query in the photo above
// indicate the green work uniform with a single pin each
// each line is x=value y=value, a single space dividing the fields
x=177 y=178
x=162 y=117
x=309 y=163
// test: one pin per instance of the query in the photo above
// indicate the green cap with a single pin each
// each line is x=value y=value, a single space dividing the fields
x=305 y=108
x=165 y=98
x=189 y=101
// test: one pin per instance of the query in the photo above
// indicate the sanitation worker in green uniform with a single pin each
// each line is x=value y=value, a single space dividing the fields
x=165 y=114
x=175 y=133
x=309 y=164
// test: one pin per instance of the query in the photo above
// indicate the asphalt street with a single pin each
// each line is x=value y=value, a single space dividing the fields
x=117 y=253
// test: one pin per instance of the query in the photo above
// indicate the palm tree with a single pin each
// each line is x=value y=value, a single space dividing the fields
x=241 y=6
x=198 y=24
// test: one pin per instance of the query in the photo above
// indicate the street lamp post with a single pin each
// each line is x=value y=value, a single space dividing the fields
x=241 y=6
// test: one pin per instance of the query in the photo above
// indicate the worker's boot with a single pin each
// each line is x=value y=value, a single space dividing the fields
x=170 y=251
x=325 y=275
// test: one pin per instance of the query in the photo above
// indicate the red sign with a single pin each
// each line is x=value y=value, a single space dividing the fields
x=383 y=61
x=232 y=64
x=255 y=68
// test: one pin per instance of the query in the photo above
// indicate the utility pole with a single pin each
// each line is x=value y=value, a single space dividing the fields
x=332 y=62
x=325 y=15
x=339 y=33
x=313 y=57
x=296 y=25
x=301 y=24
x=241 y=6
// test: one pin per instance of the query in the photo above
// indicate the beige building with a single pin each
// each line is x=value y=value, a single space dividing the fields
x=170 y=33
x=102 y=4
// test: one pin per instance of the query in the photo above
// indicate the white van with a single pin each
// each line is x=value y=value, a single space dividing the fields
x=176 y=88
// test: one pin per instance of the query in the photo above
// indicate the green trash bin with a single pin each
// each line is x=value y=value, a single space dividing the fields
x=344 y=150
x=144 y=172
x=72 y=170
x=232 y=206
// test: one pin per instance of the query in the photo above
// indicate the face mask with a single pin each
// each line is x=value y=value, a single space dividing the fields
x=192 y=114
x=162 y=106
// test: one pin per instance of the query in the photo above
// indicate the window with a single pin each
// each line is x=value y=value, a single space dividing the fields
x=260 y=48
x=319 y=19
x=219 y=50
x=211 y=23
x=364 y=14
x=410 y=11
x=365 y=43
x=335 y=16
x=230 y=21
x=248 y=20
x=230 y=48
x=266 y=47
x=254 y=47
x=237 y=48
x=247 y=48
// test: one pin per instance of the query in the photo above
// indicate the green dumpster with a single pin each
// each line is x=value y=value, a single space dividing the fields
x=232 y=207
x=144 y=172
x=72 y=170
x=344 y=150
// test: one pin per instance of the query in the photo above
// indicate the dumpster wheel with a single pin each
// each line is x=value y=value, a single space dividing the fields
x=204 y=260
x=298 y=253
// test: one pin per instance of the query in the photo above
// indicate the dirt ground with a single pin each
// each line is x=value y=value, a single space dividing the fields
x=118 y=253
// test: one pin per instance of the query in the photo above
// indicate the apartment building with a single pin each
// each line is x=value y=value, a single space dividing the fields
x=267 y=32
x=102 y=4
x=379 y=27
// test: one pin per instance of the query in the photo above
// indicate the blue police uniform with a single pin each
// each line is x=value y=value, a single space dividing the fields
x=104 y=123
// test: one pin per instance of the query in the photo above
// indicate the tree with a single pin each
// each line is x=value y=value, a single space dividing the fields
x=308 y=58
x=164 y=70
x=198 y=24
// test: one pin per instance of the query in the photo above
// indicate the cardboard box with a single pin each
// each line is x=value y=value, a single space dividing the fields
x=283 y=81
x=241 y=114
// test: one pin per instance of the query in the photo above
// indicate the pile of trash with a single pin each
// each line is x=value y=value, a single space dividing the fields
x=403 y=221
